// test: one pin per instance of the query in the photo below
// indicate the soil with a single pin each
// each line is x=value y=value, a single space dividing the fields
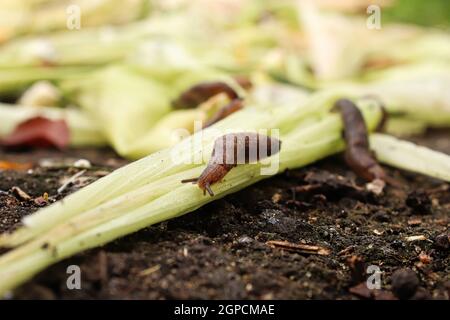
x=228 y=249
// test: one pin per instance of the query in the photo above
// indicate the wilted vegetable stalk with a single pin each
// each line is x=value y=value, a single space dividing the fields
x=149 y=191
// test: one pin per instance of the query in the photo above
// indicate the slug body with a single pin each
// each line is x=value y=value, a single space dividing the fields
x=357 y=153
x=230 y=150
x=201 y=92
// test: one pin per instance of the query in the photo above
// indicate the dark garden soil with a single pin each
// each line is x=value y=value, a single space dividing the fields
x=229 y=250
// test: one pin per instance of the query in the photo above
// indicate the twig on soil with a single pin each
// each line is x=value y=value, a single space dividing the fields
x=346 y=251
x=71 y=180
x=416 y=238
x=103 y=266
x=378 y=232
x=300 y=248
x=414 y=222
x=149 y=271
x=20 y=194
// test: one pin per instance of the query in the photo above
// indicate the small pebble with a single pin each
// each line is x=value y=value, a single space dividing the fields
x=82 y=164
x=276 y=198
x=245 y=240
x=404 y=283
x=419 y=202
x=421 y=294
x=380 y=216
x=442 y=242
x=397 y=244
x=357 y=268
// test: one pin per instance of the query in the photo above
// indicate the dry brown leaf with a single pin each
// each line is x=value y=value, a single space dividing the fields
x=39 y=132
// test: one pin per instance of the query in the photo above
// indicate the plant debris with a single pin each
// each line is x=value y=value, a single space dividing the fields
x=20 y=194
x=416 y=238
x=424 y=258
x=299 y=248
x=42 y=200
x=65 y=163
x=331 y=185
x=38 y=132
x=71 y=180
x=7 y=165
x=149 y=271
x=414 y=222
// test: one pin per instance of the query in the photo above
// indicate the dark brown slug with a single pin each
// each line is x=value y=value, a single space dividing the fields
x=201 y=92
x=230 y=150
x=357 y=152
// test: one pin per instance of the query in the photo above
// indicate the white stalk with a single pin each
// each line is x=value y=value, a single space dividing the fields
x=409 y=156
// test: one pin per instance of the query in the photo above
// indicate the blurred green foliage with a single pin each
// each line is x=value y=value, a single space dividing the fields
x=422 y=12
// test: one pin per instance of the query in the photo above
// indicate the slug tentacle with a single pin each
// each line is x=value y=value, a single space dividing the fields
x=208 y=188
x=193 y=180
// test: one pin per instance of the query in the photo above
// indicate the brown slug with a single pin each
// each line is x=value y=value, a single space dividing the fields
x=230 y=150
x=201 y=92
